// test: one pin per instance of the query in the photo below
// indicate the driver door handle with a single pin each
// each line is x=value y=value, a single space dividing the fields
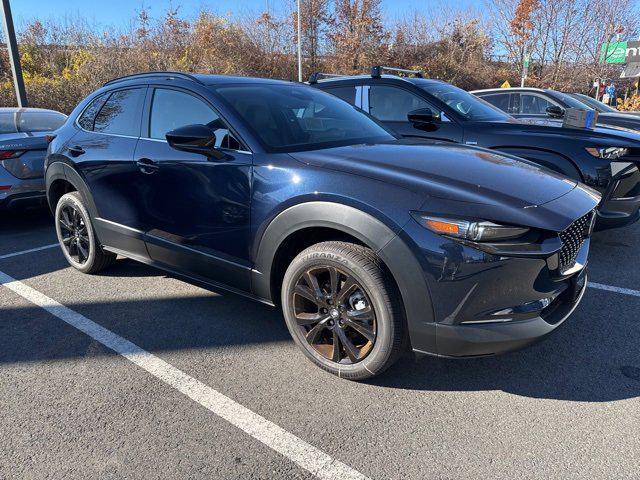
x=147 y=166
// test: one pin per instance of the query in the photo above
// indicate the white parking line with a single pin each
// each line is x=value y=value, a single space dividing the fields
x=31 y=250
x=609 y=288
x=297 y=450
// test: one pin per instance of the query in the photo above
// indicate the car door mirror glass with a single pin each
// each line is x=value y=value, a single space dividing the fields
x=554 y=111
x=195 y=139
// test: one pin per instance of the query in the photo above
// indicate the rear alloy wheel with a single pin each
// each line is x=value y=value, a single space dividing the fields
x=343 y=310
x=76 y=236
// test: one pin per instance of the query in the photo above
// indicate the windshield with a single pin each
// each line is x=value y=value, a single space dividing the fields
x=570 y=101
x=593 y=103
x=464 y=104
x=289 y=118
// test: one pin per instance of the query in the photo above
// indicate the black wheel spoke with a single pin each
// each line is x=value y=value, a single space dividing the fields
x=306 y=292
x=312 y=281
x=309 y=318
x=83 y=251
x=365 y=314
x=312 y=335
x=363 y=330
x=352 y=351
x=348 y=286
x=335 y=352
x=333 y=279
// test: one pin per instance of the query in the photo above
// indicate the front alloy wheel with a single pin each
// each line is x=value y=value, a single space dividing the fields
x=343 y=309
x=334 y=314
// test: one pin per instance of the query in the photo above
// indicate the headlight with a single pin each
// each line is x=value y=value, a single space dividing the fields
x=610 y=153
x=480 y=231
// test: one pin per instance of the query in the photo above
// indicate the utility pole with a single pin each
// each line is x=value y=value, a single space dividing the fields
x=14 y=56
x=525 y=68
x=299 y=42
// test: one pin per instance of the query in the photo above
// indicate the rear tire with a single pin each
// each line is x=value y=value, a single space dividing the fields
x=77 y=237
x=343 y=309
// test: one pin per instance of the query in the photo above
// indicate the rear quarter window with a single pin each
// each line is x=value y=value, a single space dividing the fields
x=121 y=114
x=88 y=116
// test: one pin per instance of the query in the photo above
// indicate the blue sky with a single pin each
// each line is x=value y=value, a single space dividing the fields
x=118 y=13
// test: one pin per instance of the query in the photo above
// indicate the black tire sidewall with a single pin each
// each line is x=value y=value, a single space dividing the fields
x=75 y=200
x=379 y=357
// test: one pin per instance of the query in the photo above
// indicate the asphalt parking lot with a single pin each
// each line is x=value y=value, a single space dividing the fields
x=212 y=386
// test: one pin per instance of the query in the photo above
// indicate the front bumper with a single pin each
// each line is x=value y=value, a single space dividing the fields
x=487 y=304
x=470 y=340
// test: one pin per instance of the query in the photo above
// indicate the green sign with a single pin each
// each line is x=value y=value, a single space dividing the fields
x=616 y=51
x=527 y=57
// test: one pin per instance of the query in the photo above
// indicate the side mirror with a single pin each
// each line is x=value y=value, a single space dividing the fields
x=423 y=117
x=555 y=111
x=195 y=139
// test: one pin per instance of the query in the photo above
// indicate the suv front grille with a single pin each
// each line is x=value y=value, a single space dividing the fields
x=572 y=239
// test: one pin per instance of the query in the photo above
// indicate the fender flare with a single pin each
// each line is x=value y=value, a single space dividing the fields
x=382 y=239
x=60 y=170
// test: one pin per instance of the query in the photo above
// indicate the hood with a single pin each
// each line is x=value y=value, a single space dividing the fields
x=552 y=126
x=461 y=178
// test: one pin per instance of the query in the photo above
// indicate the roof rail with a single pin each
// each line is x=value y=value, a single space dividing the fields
x=378 y=70
x=168 y=74
x=315 y=76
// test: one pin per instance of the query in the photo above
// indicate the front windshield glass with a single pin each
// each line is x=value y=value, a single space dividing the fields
x=593 y=103
x=289 y=118
x=570 y=101
x=464 y=104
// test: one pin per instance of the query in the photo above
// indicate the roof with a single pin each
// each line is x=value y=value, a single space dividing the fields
x=510 y=89
x=202 y=79
x=415 y=80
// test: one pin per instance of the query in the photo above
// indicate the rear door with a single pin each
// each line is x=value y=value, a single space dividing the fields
x=196 y=208
x=103 y=150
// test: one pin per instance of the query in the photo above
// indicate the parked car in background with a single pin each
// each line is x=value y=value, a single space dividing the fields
x=290 y=196
x=23 y=146
x=599 y=106
x=415 y=107
x=545 y=103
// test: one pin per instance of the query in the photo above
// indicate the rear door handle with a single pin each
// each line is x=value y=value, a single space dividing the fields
x=147 y=166
x=76 y=150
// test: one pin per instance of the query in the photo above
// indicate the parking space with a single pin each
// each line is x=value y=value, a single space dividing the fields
x=565 y=408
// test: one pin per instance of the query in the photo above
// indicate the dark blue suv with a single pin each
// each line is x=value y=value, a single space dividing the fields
x=291 y=196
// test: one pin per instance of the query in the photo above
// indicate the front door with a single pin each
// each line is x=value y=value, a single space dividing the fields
x=196 y=208
x=391 y=104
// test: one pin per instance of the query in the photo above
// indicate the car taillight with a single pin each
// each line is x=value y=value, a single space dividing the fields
x=4 y=154
x=5 y=187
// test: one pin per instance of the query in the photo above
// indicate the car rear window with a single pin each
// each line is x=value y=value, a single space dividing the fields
x=7 y=123
x=40 y=121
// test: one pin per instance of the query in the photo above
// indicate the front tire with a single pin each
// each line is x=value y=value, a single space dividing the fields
x=343 y=310
x=77 y=237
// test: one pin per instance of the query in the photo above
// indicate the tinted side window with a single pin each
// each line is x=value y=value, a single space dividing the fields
x=392 y=104
x=172 y=109
x=89 y=115
x=533 y=104
x=348 y=94
x=500 y=100
x=40 y=121
x=121 y=113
